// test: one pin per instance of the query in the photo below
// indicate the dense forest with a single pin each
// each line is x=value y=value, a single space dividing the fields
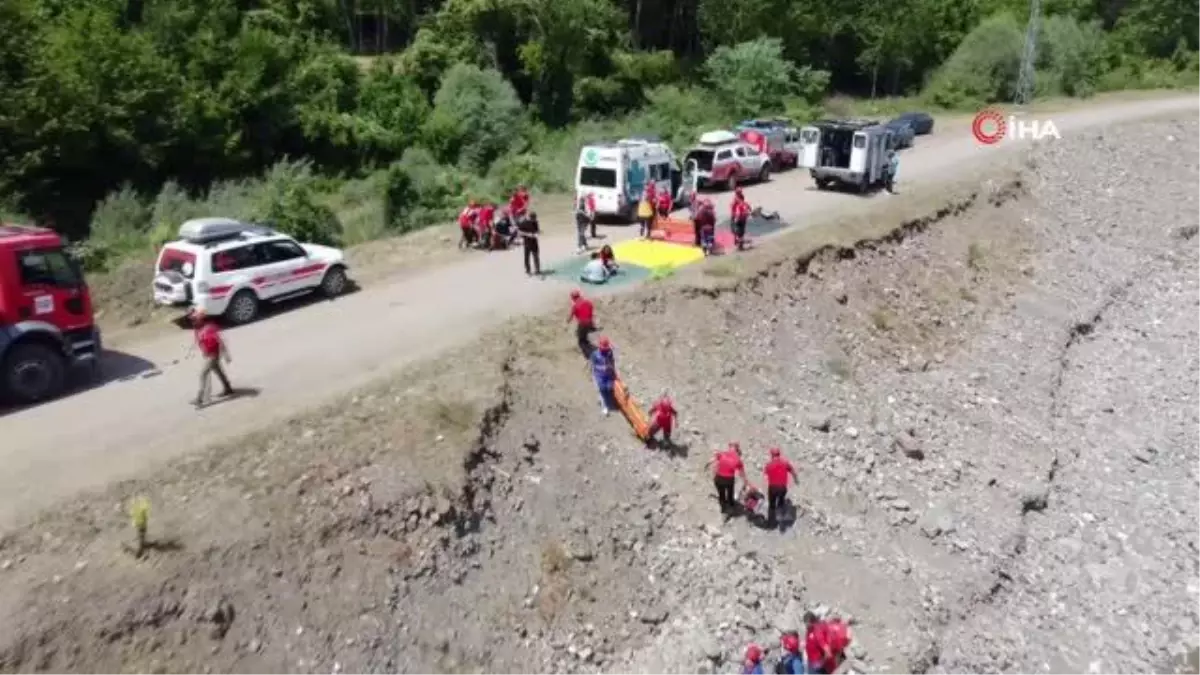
x=348 y=119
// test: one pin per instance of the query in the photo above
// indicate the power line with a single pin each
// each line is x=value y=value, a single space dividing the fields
x=1025 y=80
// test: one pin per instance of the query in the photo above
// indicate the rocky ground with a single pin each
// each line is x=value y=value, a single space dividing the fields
x=993 y=412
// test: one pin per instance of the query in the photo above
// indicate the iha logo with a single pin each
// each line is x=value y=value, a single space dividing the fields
x=991 y=126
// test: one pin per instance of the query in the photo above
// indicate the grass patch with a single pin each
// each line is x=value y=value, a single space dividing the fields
x=883 y=320
x=453 y=416
x=975 y=256
x=720 y=270
x=839 y=367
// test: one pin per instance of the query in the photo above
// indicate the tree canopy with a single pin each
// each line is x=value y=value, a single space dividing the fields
x=136 y=96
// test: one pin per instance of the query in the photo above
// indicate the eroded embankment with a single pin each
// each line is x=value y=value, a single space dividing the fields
x=931 y=381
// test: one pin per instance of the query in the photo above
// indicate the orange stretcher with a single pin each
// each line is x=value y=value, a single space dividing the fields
x=670 y=228
x=631 y=410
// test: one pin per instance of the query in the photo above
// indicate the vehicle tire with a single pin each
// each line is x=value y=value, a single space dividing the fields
x=822 y=184
x=243 y=308
x=33 y=372
x=764 y=174
x=335 y=282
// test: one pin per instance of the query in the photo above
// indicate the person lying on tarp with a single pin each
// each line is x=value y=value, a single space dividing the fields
x=600 y=268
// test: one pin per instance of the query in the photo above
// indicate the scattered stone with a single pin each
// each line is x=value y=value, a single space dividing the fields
x=654 y=616
x=852 y=432
x=1035 y=499
x=820 y=422
x=909 y=446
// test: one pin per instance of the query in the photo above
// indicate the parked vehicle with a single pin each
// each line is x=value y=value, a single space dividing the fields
x=902 y=134
x=617 y=173
x=722 y=158
x=769 y=139
x=922 y=123
x=228 y=268
x=850 y=153
x=46 y=321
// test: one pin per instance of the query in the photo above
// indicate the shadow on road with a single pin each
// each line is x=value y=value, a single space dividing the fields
x=269 y=309
x=114 y=366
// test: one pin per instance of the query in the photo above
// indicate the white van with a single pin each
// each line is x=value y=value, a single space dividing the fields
x=617 y=174
x=849 y=153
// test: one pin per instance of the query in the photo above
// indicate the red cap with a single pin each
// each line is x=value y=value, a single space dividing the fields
x=575 y=294
x=775 y=452
x=754 y=653
x=604 y=344
x=790 y=642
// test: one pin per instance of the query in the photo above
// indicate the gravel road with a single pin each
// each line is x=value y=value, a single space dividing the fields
x=300 y=358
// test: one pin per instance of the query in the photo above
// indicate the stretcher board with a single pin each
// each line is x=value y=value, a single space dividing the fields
x=671 y=228
x=631 y=410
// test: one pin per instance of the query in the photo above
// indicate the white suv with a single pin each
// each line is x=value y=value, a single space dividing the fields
x=228 y=268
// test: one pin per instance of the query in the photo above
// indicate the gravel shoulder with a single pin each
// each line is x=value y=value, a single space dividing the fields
x=989 y=388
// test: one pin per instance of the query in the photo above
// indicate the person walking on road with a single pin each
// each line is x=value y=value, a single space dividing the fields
x=727 y=466
x=778 y=472
x=213 y=351
x=604 y=372
x=583 y=313
x=590 y=203
x=892 y=168
x=529 y=229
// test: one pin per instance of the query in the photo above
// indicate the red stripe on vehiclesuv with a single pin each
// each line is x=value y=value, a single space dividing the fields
x=217 y=291
x=308 y=270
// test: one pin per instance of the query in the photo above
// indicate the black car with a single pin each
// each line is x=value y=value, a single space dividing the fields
x=921 y=123
x=902 y=134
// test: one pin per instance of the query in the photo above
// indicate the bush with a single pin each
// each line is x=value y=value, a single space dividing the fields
x=476 y=118
x=120 y=219
x=1070 y=58
x=535 y=171
x=418 y=191
x=289 y=202
x=984 y=68
x=391 y=110
x=753 y=78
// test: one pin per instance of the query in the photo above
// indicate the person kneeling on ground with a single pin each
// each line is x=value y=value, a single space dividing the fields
x=594 y=272
x=604 y=372
x=825 y=644
x=662 y=418
x=609 y=259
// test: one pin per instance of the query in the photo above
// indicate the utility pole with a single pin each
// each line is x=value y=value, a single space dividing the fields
x=1025 y=80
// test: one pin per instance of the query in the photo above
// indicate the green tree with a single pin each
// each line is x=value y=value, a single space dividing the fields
x=753 y=78
x=476 y=117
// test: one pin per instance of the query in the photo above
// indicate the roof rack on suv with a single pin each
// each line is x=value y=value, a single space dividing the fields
x=210 y=231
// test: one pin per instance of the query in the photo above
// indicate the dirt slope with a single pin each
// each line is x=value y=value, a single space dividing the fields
x=993 y=410
x=301 y=358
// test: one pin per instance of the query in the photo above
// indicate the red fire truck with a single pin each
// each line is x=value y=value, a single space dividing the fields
x=46 y=321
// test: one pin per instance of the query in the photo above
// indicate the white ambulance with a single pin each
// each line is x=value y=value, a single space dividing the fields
x=617 y=173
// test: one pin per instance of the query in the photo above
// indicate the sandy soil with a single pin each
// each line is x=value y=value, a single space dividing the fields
x=988 y=386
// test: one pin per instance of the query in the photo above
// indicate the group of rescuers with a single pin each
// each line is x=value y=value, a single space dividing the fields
x=487 y=226
x=825 y=640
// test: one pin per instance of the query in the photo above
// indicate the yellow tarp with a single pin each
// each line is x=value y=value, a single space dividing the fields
x=656 y=254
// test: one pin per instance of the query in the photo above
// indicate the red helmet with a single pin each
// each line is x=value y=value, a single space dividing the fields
x=790 y=642
x=754 y=653
x=575 y=294
x=604 y=344
x=775 y=452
